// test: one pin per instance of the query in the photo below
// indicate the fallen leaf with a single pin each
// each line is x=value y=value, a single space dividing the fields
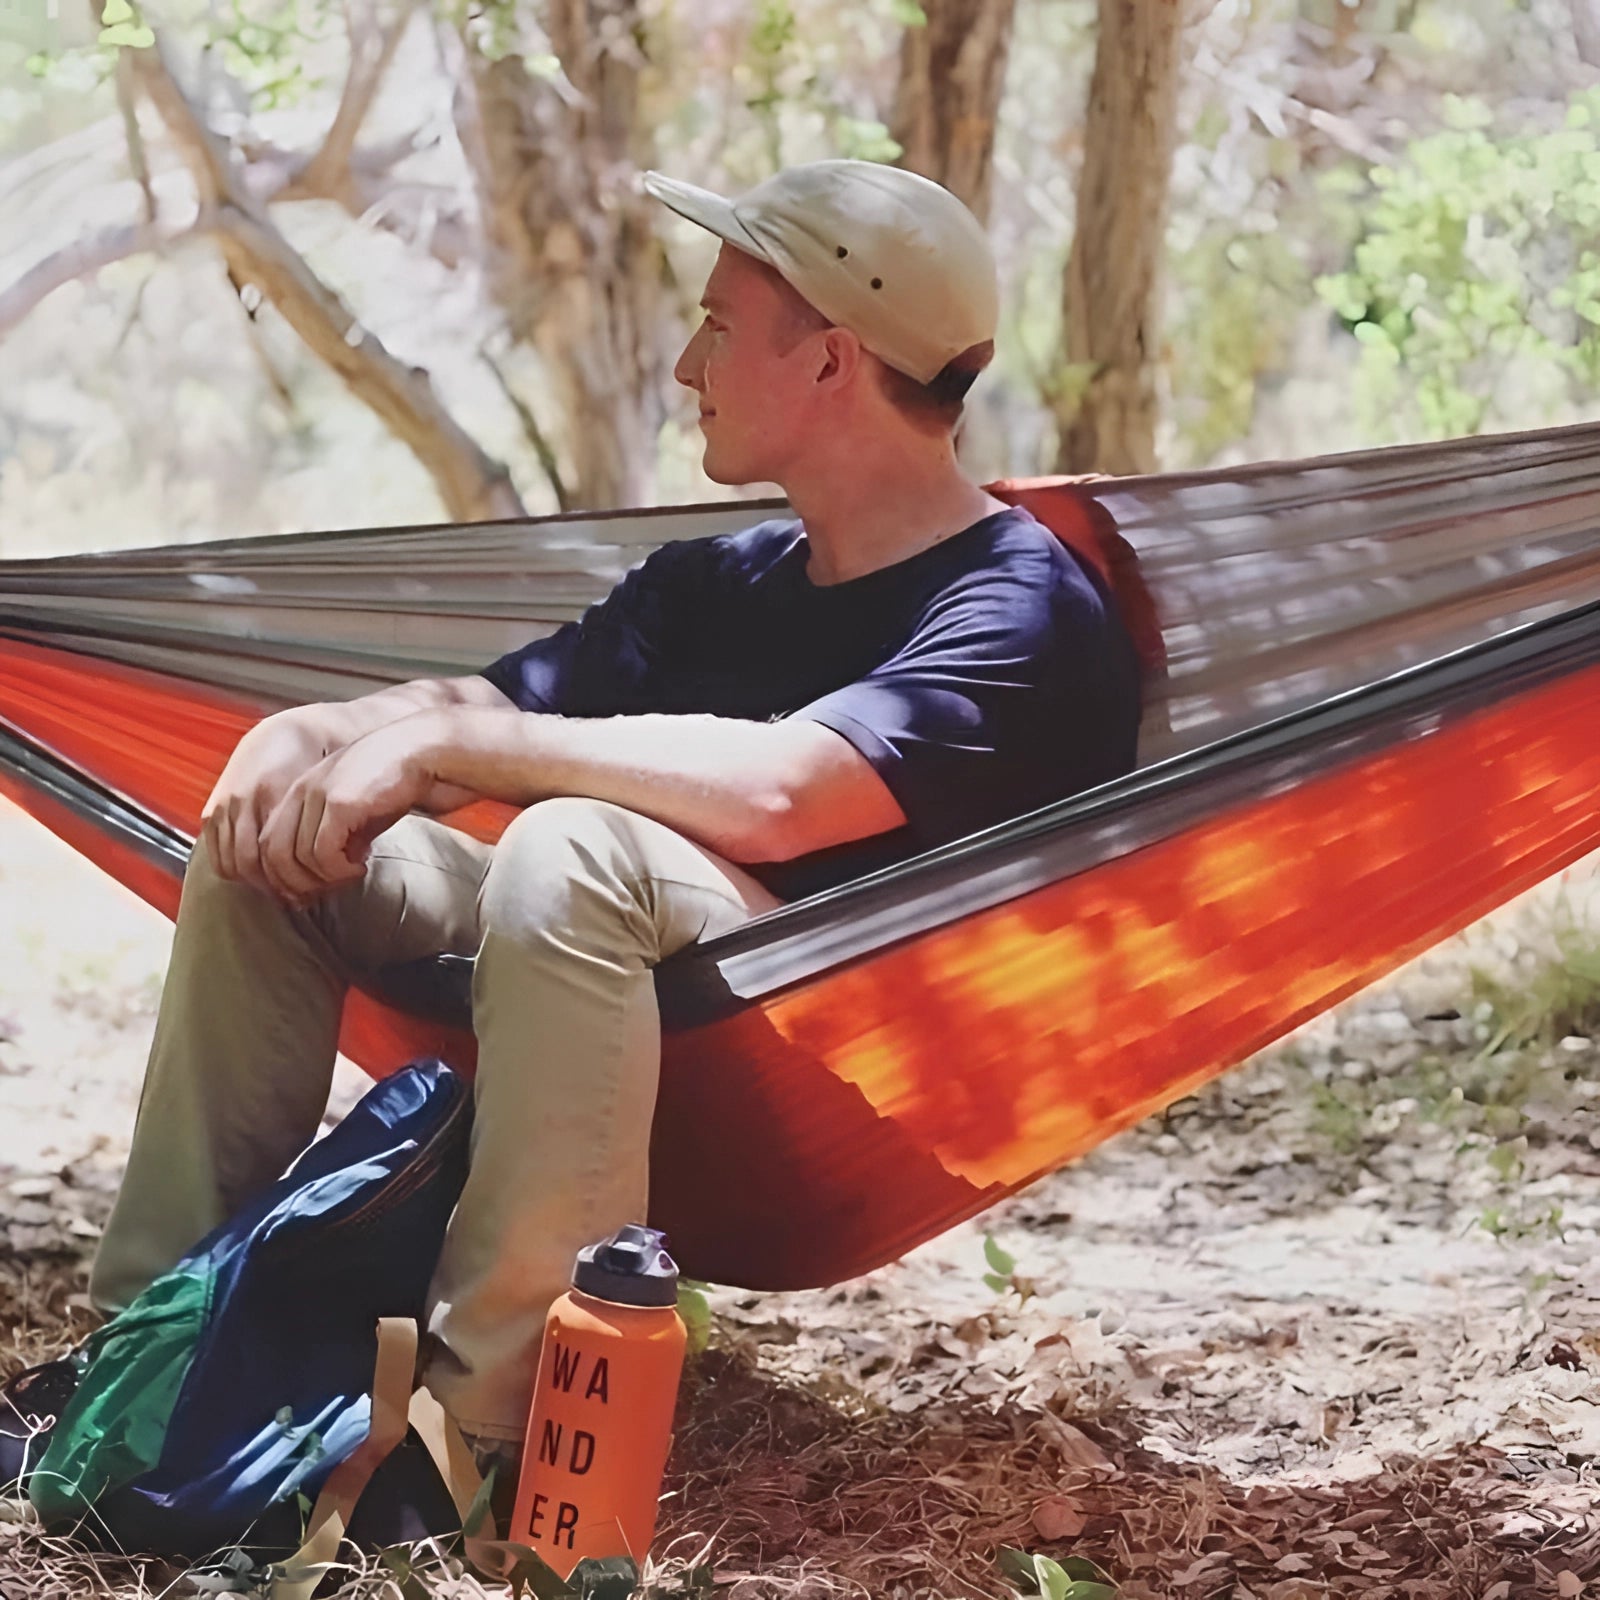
x=1078 y=1450
x=1058 y=1517
x=1568 y=1584
x=1205 y=1567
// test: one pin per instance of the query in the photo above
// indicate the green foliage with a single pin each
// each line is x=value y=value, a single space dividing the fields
x=407 y=1579
x=264 y=44
x=864 y=139
x=1002 y=1275
x=806 y=83
x=1041 y=1578
x=499 y=28
x=770 y=41
x=1249 y=230
x=1479 y=258
x=1481 y=1099
x=1239 y=296
x=1542 y=1222
x=1339 y=1118
x=785 y=78
x=1001 y=1265
x=1561 y=996
x=698 y=1583
x=695 y=1310
x=476 y=1520
x=1513 y=1087
x=121 y=24
x=80 y=70
x=526 y=1572
x=615 y=1578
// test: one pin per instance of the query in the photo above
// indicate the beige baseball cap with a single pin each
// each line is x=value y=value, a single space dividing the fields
x=892 y=256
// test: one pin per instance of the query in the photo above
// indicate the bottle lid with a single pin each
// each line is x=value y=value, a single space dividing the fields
x=631 y=1268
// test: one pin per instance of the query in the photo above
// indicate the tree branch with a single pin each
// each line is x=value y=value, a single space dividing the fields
x=1586 y=30
x=530 y=426
x=473 y=486
x=81 y=259
x=372 y=52
x=205 y=153
x=358 y=179
x=137 y=162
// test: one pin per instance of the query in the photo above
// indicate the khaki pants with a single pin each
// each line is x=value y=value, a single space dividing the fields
x=567 y=915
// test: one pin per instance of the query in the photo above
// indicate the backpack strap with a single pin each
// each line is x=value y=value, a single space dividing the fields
x=450 y=1452
x=392 y=1377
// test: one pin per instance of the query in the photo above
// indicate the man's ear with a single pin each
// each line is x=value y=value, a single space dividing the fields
x=841 y=358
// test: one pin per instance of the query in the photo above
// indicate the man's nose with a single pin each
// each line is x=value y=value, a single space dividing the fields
x=691 y=363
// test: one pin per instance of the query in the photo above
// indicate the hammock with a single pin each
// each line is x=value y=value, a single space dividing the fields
x=1373 y=689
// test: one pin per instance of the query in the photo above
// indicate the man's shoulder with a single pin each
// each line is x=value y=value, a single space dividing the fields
x=1013 y=548
x=1018 y=578
x=752 y=550
x=1016 y=534
x=733 y=557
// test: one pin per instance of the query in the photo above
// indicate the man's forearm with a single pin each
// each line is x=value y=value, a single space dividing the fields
x=721 y=782
x=345 y=721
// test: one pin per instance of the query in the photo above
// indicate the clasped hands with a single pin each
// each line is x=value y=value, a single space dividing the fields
x=296 y=809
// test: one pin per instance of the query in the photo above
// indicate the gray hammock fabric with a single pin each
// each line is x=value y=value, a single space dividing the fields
x=1276 y=587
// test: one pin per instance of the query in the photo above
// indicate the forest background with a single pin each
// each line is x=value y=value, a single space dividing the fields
x=1330 y=1327
x=269 y=265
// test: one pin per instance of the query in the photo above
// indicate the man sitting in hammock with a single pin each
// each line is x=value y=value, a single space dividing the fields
x=743 y=720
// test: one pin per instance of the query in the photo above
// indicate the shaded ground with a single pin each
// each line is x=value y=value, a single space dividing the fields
x=1331 y=1327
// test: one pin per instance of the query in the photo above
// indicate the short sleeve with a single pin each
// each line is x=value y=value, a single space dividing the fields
x=600 y=664
x=1009 y=695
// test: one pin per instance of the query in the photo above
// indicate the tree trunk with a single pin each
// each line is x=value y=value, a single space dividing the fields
x=1586 y=30
x=1107 y=418
x=952 y=70
x=574 y=258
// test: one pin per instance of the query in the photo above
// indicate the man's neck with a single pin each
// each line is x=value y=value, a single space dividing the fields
x=869 y=509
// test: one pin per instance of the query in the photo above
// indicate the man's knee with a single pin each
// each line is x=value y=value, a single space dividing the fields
x=554 y=834
x=563 y=859
x=206 y=892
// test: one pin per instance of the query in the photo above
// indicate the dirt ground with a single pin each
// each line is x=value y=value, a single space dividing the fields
x=1331 y=1327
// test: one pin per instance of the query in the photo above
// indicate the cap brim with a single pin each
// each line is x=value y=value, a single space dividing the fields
x=701 y=206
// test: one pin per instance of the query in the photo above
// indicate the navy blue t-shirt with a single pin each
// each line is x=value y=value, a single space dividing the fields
x=982 y=678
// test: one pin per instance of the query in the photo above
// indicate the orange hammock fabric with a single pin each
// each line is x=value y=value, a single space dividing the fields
x=830 y=1126
x=888 y=1101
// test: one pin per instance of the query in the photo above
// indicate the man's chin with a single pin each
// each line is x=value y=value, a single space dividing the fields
x=730 y=474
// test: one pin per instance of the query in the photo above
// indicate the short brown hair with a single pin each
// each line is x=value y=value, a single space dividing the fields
x=800 y=318
x=937 y=403
x=941 y=400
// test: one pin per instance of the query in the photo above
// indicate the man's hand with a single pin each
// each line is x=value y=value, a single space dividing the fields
x=265 y=762
x=319 y=835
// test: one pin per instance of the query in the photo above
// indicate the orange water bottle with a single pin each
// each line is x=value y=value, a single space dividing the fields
x=601 y=1422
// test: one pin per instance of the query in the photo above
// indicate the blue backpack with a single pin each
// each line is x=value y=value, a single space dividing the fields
x=213 y=1410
